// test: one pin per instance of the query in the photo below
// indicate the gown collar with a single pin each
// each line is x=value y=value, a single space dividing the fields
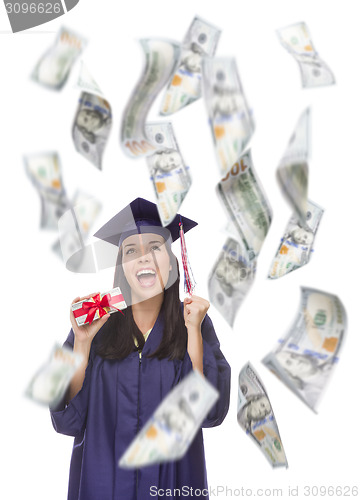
x=155 y=336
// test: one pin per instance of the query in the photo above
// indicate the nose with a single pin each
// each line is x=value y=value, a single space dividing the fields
x=145 y=257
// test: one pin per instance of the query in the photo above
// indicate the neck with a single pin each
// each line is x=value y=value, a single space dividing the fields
x=145 y=313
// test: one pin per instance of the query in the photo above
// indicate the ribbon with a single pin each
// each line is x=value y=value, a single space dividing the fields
x=189 y=281
x=98 y=305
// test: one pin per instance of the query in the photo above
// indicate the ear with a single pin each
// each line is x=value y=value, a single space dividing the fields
x=170 y=268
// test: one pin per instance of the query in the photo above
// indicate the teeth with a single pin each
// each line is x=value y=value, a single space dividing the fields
x=145 y=271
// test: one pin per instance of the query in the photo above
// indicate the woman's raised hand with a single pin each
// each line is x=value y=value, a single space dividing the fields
x=195 y=309
x=86 y=333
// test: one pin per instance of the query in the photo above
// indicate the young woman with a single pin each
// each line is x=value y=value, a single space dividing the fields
x=132 y=362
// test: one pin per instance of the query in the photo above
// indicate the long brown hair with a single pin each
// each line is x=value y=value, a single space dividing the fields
x=116 y=339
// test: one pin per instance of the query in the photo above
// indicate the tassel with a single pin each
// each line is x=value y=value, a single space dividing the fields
x=189 y=280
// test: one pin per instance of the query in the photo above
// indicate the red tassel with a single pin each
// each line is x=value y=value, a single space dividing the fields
x=189 y=281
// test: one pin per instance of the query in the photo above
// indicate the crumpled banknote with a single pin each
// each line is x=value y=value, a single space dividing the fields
x=93 y=120
x=230 y=119
x=74 y=227
x=168 y=434
x=44 y=171
x=246 y=204
x=250 y=214
x=184 y=88
x=161 y=59
x=230 y=280
x=296 y=246
x=168 y=172
x=49 y=384
x=54 y=67
x=314 y=71
x=293 y=171
x=86 y=82
x=256 y=417
x=305 y=358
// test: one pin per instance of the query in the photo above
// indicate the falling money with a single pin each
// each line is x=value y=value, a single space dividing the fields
x=168 y=434
x=250 y=217
x=91 y=127
x=200 y=40
x=54 y=67
x=305 y=358
x=314 y=72
x=230 y=119
x=297 y=243
x=292 y=173
x=168 y=173
x=246 y=205
x=50 y=383
x=230 y=280
x=255 y=415
x=44 y=171
x=92 y=121
x=161 y=59
x=74 y=227
x=86 y=82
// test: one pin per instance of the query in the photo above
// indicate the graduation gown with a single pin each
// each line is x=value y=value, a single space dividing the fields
x=116 y=400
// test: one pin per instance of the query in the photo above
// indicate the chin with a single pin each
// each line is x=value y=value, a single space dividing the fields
x=142 y=294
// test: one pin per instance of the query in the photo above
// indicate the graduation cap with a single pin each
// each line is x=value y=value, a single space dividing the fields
x=139 y=217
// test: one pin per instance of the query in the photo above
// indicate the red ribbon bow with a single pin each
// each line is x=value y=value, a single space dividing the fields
x=97 y=305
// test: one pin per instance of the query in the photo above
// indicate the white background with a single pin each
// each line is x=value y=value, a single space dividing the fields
x=37 y=289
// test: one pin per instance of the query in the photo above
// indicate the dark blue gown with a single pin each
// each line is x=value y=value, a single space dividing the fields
x=115 y=401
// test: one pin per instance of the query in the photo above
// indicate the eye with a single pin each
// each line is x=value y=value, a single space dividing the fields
x=129 y=251
x=155 y=247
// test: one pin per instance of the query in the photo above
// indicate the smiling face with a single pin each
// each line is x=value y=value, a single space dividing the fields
x=146 y=265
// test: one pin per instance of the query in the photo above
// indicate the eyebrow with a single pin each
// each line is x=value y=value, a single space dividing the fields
x=149 y=243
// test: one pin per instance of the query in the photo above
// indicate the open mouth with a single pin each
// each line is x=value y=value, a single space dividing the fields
x=146 y=277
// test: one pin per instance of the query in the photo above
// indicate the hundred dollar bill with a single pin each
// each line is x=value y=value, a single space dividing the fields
x=229 y=115
x=91 y=127
x=44 y=171
x=314 y=72
x=168 y=434
x=292 y=172
x=305 y=358
x=52 y=208
x=297 y=243
x=230 y=280
x=169 y=175
x=86 y=82
x=255 y=415
x=54 y=67
x=200 y=40
x=246 y=205
x=161 y=59
x=74 y=227
x=49 y=384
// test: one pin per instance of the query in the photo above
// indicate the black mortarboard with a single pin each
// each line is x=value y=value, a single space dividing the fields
x=141 y=216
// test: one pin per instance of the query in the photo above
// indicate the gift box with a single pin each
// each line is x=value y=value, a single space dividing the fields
x=88 y=310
